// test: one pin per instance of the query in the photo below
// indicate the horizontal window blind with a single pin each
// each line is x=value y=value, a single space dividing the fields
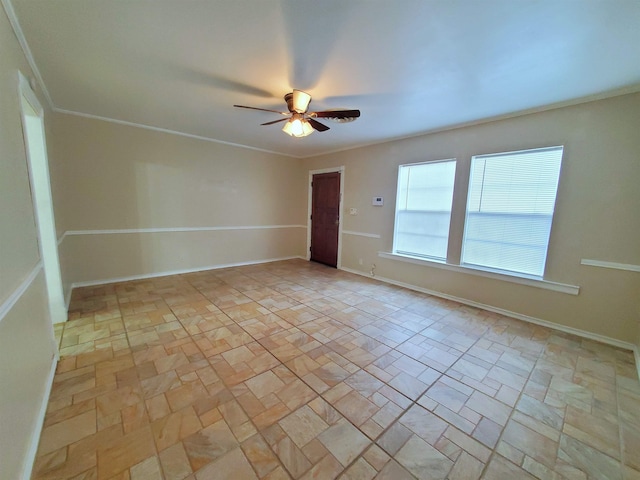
x=423 y=209
x=510 y=208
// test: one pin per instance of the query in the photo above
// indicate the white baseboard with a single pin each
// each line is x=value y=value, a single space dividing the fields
x=30 y=458
x=526 y=318
x=67 y=299
x=144 y=276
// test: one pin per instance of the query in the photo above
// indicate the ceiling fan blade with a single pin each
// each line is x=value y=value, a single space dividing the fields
x=340 y=114
x=262 y=109
x=317 y=125
x=275 y=121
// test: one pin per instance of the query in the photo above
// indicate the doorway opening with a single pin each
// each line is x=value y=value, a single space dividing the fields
x=325 y=219
x=38 y=166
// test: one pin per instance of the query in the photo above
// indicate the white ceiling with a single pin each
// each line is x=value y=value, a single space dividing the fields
x=410 y=66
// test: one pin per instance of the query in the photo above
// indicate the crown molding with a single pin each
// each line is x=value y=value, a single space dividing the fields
x=17 y=30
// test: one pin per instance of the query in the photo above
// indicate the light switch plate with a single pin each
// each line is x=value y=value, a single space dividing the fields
x=377 y=201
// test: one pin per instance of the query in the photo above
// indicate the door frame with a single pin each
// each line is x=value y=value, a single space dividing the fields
x=38 y=167
x=310 y=199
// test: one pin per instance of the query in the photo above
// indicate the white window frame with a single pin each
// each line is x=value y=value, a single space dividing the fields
x=395 y=223
x=509 y=276
x=466 y=223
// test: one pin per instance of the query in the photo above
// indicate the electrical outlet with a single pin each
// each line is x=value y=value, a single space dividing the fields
x=353 y=211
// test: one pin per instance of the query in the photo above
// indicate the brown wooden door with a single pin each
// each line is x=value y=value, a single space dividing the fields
x=325 y=217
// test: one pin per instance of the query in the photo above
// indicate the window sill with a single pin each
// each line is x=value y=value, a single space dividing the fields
x=522 y=280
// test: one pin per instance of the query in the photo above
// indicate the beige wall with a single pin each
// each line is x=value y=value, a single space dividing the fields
x=96 y=258
x=596 y=215
x=111 y=177
x=26 y=342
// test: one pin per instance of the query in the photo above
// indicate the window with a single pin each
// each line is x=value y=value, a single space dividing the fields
x=509 y=211
x=423 y=209
x=510 y=208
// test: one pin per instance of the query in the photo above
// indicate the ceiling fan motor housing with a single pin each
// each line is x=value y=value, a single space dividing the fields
x=302 y=122
x=289 y=99
x=297 y=101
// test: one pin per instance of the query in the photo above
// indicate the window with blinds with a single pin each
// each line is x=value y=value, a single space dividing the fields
x=423 y=209
x=510 y=208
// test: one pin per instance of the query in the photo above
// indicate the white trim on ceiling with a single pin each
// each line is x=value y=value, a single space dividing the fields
x=17 y=30
x=170 y=132
x=506 y=116
x=520 y=113
x=27 y=52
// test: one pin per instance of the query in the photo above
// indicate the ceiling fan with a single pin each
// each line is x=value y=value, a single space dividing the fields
x=301 y=122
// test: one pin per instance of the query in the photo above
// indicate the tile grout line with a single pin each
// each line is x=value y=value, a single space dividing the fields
x=393 y=348
x=621 y=442
x=375 y=440
x=367 y=293
x=205 y=357
x=320 y=394
x=139 y=381
x=127 y=333
x=258 y=431
x=372 y=441
x=412 y=402
x=494 y=450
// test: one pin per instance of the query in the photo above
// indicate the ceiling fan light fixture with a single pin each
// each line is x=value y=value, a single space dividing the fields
x=298 y=127
x=300 y=122
x=307 y=129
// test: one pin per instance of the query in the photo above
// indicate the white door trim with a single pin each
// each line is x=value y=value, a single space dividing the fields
x=38 y=166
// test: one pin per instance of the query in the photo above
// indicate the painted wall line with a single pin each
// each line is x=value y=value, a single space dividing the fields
x=174 y=229
x=361 y=234
x=8 y=304
x=614 y=265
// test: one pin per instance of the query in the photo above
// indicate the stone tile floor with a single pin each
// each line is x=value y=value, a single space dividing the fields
x=295 y=370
